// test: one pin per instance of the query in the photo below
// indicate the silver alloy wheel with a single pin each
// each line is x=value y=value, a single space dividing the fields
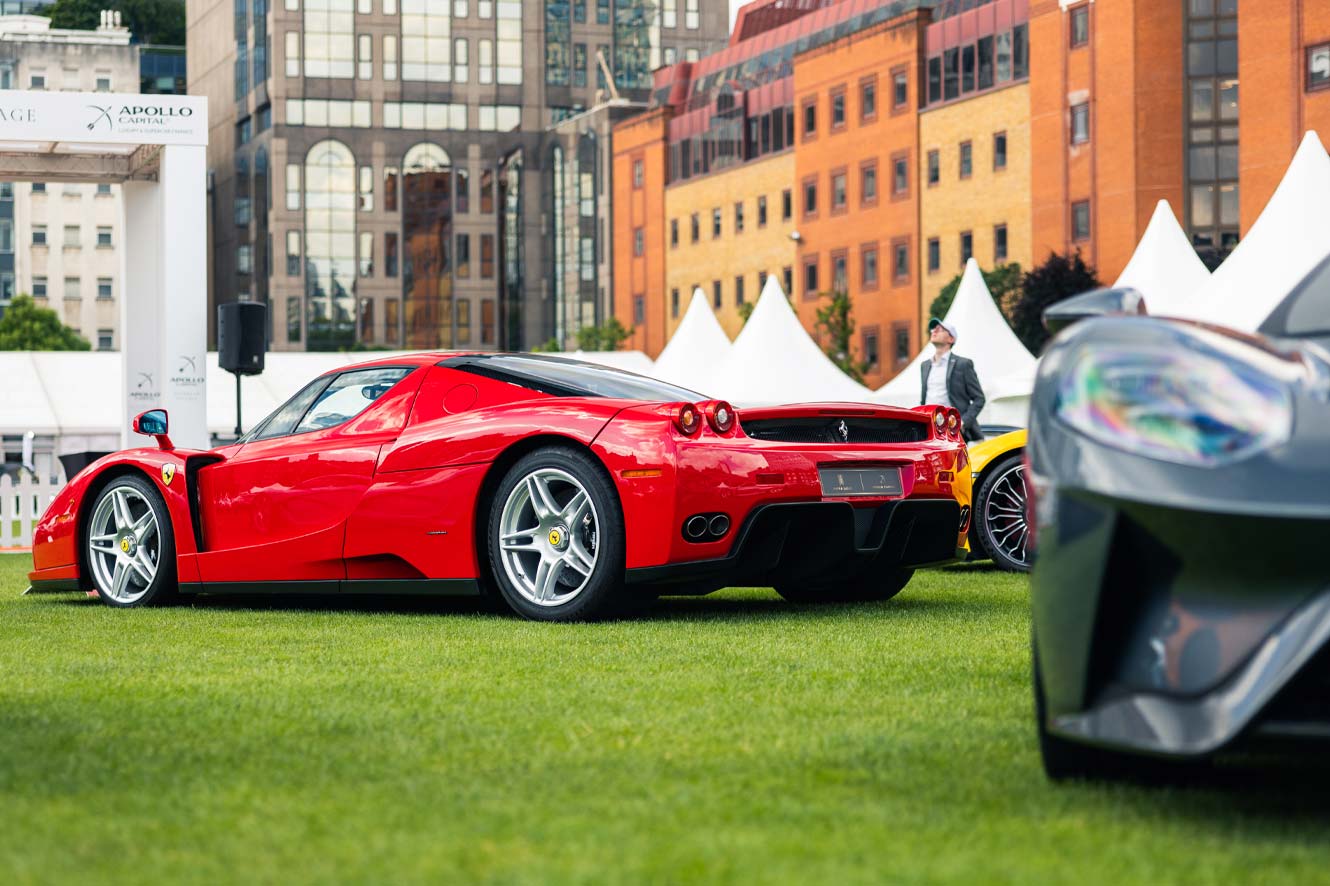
x=547 y=537
x=124 y=545
x=1004 y=515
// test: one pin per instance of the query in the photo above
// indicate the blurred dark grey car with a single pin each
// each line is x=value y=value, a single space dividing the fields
x=1181 y=483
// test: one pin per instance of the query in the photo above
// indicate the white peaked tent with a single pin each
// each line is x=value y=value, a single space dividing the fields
x=628 y=361
x=985 y=337
x=775 y=361
x=1164 y=268
x=1288 y=238
x=696 y=350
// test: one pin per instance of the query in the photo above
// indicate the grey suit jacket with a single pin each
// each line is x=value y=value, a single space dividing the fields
x=964 y=390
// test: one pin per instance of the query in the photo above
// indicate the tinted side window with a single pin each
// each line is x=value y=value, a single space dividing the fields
x=284 y=419
x=349 y=395
x=1309 y=312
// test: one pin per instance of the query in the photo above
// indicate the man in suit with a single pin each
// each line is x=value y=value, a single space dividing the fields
x=950 y=380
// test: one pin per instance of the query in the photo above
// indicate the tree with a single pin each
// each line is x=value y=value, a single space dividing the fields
x=27 y=327
x=550 y=346
x=1061 y=276
x=746 y=310
x=606 y=337
x=835 y=326
x=150 y=21
x=1004 y=282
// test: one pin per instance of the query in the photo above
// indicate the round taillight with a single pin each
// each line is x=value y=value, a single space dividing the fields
x=940 y=421
x=688 y=420
x=721 y=416
x=954 y=424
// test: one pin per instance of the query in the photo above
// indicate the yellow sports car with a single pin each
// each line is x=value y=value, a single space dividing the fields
x=997 y=527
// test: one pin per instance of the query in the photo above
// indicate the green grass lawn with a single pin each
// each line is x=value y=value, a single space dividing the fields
x=734 y=738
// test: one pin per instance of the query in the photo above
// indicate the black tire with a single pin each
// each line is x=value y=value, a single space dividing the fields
x=164 y=585
x=984 y=528
x=1065 y=760
x=874 y=586
x=603 y=595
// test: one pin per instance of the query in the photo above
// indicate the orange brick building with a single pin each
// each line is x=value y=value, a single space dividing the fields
x=1104 y=106
x=857 y=196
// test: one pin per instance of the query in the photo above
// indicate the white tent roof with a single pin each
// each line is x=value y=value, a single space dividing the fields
x=1164 y=268
x=82 y=389
x=23 y=403
x=1285 y=242
x=629 y=361
x=775 y=361
x=696 y=350
x=983 y=335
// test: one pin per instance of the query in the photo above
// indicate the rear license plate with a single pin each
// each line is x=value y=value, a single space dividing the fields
x=860 y=481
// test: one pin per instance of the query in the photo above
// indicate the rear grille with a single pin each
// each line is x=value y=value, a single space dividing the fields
x=833 y=429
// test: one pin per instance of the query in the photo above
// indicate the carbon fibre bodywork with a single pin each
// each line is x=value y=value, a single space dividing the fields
x=1180 y=607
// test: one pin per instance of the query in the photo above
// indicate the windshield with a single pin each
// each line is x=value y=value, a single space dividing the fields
x=561 y=377
x=1306 y=312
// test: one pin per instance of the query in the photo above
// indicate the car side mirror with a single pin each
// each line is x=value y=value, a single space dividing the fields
x=1095 y=303
x=153 y=423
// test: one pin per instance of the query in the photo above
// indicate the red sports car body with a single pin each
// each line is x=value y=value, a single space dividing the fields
x=568 y=488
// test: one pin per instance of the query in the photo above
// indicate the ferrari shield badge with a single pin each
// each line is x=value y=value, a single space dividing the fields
x=168 y=473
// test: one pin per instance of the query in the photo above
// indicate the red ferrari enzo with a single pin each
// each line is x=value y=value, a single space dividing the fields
x=573 y=490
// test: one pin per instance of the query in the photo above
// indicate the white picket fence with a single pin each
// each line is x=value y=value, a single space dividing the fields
x=21 y=505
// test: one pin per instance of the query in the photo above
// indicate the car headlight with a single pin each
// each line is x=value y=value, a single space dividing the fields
x=1185 y=403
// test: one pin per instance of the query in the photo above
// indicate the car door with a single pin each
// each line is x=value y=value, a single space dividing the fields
x=276 y=511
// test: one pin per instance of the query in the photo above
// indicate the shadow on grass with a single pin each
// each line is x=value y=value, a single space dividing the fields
x=705 y=608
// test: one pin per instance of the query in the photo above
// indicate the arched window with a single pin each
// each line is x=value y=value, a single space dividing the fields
x=330 y=245
x=427 y=230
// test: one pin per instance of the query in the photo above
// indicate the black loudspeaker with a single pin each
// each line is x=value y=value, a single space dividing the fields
x=242 y=336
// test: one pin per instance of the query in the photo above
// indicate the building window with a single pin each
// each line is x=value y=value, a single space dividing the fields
x=967 y=159
x=900 y=90
x=463 y=255
x=967 y=247
x=39 y=187
x=73 y=288
x=293 y=253
x=674 y=303
x=868 y=100
x=244 y=259
x=1080 y=26
x=105 y=340
x=786 y=205
x=715 y=294
x=639 y=174
x=999 y=244
x=39 y=235
x=639 y=310
x=810 y=118
x=104 y=236
x=104 y=288
x=1080 y=220
x=934 y=168
x=1318 y=67
x=871 y=357
x=37 y=81
x=391 y=320
x=390 y=253
x=72 y=239
x=674 y=232
x=810 y=197
x=810 y=277
x=1080 y=124
x=329 y=40
x=365 y=53
x=739 y=290
x=934 y=254
x=840 y=271
x=838 y=108
x=787 y=277
x=739 y=217
x=389 y=65
x=462 y=182
x=715 y=223
x=999 y=151
x=293 y=186
x=839 y=192
x=293 y=319
x=639 y=242
x=900 y=260
x=902 y=336
x=868 y=266
x=39 y=287
x=486 y=256
x=868 y=183
x=695 y=227
x=900 y=176
x=762 y=211
x=366 y=263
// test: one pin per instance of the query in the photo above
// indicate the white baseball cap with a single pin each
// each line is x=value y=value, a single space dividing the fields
x=950 y=327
